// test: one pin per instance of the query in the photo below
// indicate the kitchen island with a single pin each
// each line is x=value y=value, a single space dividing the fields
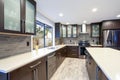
x=107 y=59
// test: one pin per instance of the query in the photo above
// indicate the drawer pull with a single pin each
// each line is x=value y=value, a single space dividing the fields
x=35 y=65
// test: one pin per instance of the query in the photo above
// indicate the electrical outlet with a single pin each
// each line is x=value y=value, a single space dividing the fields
x=28 y=43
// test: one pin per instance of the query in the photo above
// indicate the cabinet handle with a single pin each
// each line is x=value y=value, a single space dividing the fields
x=35 y=65
x=59 y=53
x=52 y=55
x=34 y=74
x=37 y=74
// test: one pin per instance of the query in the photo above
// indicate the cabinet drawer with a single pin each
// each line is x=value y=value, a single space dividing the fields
x=27 y=68
x=31 y=71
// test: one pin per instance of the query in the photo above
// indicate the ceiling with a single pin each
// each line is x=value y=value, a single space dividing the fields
x=76 y=11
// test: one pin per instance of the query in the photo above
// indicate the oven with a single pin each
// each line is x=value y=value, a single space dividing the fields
x=82 y=45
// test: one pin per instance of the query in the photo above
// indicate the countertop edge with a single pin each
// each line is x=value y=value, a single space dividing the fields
x=31 y=60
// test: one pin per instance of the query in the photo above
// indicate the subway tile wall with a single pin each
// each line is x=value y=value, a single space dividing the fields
x=13 y=45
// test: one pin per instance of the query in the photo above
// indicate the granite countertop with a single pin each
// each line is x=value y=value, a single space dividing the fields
x=13 y=62
x=108 y=60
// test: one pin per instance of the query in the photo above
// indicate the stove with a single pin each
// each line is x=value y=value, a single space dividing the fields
x=82 y=45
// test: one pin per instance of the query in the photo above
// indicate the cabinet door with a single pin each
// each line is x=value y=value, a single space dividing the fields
x=74 y=31
x=24 y=73
x=30 y=16
x=64 y=31
x=58 y=30
x=51 y=65
x=32 y=71
x=72 y=51
x=59 y=58
x=91 y=67
x=12 y=15
x=69 y=31
x=101 y=75
x=41 y=70
x=95 y=30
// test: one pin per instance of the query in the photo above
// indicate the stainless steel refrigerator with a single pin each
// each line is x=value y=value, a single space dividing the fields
x=111 y=38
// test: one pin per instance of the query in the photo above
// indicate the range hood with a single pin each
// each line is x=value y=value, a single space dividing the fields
x=83 y=28
x=84 y=35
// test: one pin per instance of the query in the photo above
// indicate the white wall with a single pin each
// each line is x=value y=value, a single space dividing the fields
x=47 y=21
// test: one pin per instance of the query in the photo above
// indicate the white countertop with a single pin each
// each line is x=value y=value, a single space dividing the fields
x=11 y=63
x=108 y=60
x=71 y=44
x=92 y=45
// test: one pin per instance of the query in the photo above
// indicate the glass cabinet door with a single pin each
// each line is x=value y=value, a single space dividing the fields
x=74 y=31
x=30 y=17
x=69 y=31
x=64 y=31
x=12 y=15
x=95 y=30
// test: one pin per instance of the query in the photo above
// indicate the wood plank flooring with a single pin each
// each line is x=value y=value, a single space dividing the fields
x=71 y=69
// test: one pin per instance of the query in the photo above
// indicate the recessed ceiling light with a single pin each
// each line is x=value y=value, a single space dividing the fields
x=67 y=23
x=94 y=9
x=84 y=21
x=61 y=14
x=118 y=16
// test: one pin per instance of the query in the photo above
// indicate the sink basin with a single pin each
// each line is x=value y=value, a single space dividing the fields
x=52 y=47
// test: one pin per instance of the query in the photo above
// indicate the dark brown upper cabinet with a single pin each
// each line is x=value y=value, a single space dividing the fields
x=58 y=30
x=65 y=31
x=95 y=30
x=72 y=31
x=111 y=24
x=18 y=16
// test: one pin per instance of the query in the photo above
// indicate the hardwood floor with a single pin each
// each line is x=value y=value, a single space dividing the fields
x=71 y=69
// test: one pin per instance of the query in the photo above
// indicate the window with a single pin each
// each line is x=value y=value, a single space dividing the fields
x=43 y=35
x=48 y=36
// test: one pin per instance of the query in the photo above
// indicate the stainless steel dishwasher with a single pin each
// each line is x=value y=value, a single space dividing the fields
x=51 y=65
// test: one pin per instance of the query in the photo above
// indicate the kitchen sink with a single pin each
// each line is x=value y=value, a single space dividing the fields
x=52 y=47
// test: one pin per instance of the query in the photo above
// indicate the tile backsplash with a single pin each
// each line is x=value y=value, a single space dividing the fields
x=12 y=45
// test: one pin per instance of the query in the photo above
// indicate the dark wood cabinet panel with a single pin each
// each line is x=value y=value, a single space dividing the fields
x=60 y=57
x=55 y=59
x=101 y=75
x=95 y=30
x=111 y=24
x=58 y=30
x=31 y=71
x=94 y=72
x=73 y=51
x=91 y=66
x=1 y=14
x=14 y=21
x=42 y=73
x=99 y=30
x=51 y=64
